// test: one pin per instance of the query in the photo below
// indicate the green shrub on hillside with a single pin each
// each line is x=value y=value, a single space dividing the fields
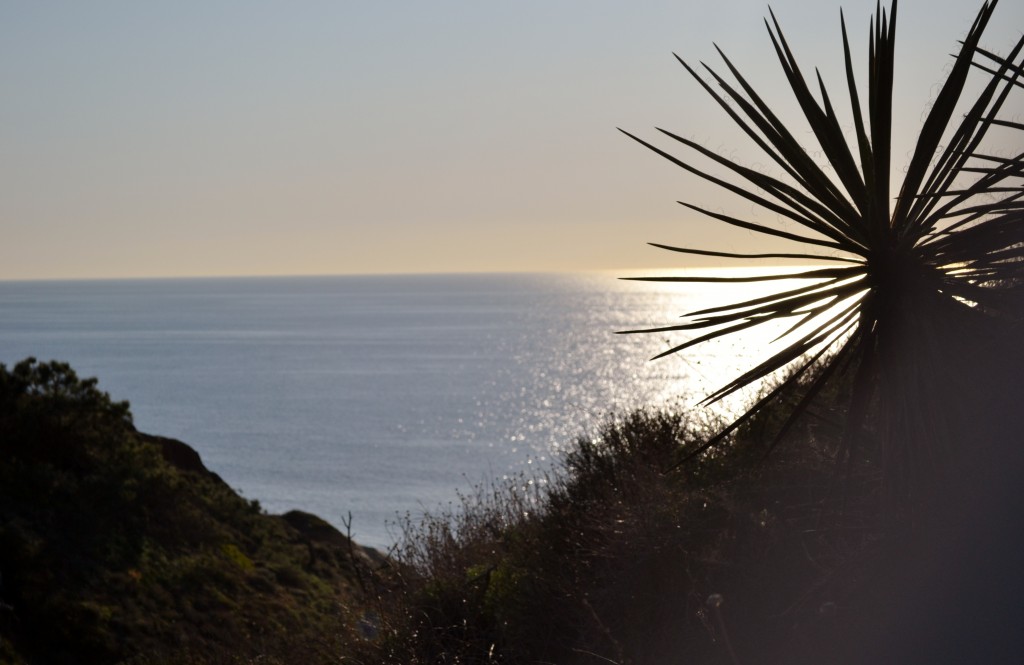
x=115 y=544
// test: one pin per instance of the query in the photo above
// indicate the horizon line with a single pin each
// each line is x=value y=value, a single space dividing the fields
x=625 y=272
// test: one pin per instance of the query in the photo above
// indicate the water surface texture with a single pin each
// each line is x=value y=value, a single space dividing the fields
x=370 y=395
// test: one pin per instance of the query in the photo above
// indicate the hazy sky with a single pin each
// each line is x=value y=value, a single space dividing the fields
x=258 y=137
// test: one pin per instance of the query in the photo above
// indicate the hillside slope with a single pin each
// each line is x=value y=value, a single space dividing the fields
x=116 y=545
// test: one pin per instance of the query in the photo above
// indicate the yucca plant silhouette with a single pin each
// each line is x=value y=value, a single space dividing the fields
x=911 y=275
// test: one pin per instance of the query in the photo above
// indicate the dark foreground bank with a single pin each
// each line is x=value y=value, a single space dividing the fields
x=118 y=547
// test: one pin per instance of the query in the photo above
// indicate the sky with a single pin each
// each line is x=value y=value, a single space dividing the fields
x=260 y=137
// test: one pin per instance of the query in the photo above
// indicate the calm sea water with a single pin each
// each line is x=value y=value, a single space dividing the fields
x=371 y=395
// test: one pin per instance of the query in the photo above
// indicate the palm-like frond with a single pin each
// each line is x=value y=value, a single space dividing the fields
x=951 y=244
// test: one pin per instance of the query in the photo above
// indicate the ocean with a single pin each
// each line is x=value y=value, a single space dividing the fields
x=375 y=396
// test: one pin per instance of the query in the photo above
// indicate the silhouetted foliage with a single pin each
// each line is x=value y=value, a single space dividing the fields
x=924 y=282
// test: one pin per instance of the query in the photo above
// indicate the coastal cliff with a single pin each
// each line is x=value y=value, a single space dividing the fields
x=121 y=546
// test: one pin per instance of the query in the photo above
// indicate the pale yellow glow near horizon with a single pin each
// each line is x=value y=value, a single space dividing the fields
x=258 y=138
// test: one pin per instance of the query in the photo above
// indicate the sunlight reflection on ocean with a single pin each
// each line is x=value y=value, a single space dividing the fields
x=377 y=395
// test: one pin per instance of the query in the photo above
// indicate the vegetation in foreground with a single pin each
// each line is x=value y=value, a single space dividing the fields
x=916 y=281
x=888 y=532
x=117 y=546
x=630 y=556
